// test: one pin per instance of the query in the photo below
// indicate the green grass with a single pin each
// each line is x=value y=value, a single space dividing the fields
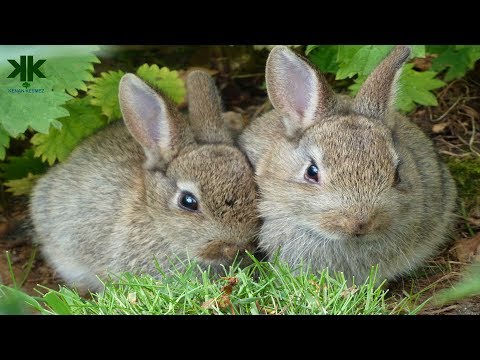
x=261 y=288
x=468 y=286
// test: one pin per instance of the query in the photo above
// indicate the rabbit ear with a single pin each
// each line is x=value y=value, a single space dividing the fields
x=376 y=95
x=205 y=109
x=296 y=89
x=152 y=121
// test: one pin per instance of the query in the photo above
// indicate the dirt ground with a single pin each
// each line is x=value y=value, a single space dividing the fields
x=454 y=126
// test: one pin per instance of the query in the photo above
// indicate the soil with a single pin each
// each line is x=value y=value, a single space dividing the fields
x=453 y=125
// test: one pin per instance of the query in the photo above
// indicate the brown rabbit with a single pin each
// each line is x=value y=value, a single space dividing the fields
x=159 y=187
x=346 y=183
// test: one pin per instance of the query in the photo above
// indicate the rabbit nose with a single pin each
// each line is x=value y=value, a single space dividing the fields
x=230 y=251
x=358 y=226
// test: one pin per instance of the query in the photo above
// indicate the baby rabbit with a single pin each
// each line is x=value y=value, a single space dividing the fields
x=346 y=184
x=159 y=187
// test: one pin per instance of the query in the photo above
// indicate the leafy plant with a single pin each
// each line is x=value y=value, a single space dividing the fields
x=59 y=115
x=356 y=62
x=467 y=287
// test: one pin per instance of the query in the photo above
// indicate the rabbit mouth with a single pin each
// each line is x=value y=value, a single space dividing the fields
x=225 y=253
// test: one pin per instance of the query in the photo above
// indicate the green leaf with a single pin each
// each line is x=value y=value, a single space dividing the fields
x=104 y=92
x=436 y=49
x=418 y=51
x=415 y=87
x=22 y=186
x=84 y=120
x=56 y=303
x=67 y=66
x=356 y=85
x=36 y=110
x=66 y=69
x=458 y=60
x=4 y=142
x=164 y=80
x=17 y=167
x=71 y=72
x=324 y=56
x=467 y=287
x=360 y=60
x=310 y=48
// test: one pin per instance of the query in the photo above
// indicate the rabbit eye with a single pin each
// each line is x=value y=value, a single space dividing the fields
x=188 y=201
x=311 y=174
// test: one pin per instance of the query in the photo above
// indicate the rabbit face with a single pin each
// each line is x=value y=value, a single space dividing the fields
x=321 y=178
x=211 y=204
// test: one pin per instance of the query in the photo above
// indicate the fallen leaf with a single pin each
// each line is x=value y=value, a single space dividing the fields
x=227 y=289
x=423 y=64
x=440 y=127
x=132 y=298
x=209 y=304
x=349 y=291
x=468 y=250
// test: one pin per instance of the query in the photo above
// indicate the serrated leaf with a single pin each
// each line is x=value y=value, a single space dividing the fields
x=104 y=92
x=165 y=80
x=324 y=57
x=415 y=87
x=4 y=142
x=84 y=120
x=36 y=110
x=17 y=167
x=360 y=60
x=22 y=186
x=458 y=60
x=65 y=68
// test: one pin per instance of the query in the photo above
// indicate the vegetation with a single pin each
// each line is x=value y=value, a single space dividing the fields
x=79 y=97
x=261 y=288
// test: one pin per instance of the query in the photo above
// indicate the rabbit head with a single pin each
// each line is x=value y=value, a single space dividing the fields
x=340 y=162
x=198 y=189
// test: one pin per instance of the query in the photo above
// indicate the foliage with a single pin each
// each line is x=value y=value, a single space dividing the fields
x=104 y=89
x=60 y=121
x=261 y=288
x=66 y=69
x=467 y=287
x=104 y=92
x=84 y=120
x=22 y=186
x=458 y=59
x=17 y=167
x=164 y=80
x=356 y=62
